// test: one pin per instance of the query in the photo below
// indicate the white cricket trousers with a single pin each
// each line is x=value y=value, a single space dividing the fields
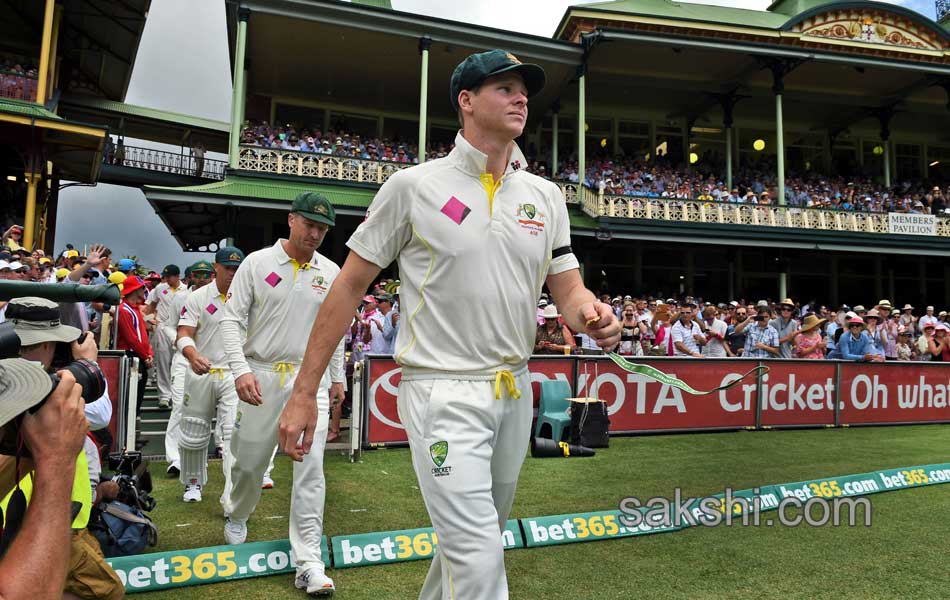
x=206 y=396
x=164 y=350
x=253 y=442
x=468 y=434
x=179 y=368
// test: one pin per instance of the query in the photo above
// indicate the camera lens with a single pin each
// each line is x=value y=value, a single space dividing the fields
x=88 y=376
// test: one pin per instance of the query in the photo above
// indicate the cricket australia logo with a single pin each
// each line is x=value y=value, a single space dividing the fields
x=318 y=283
x=439 y=451
x=530 y=218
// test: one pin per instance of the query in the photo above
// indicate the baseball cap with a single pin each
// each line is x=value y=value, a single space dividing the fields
x=314 y=206
x=384 y=298
x=126 y=264
x=117 y=278
x=229 y=256
x=475 y=69
x=171 y=270
x=202 y=265
x=36 y=320
x=25 y=384
x=71 y=254
x=61 y=273
x=4 y=265
x=153 y=276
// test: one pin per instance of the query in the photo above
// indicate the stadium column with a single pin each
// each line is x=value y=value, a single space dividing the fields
x=554 y=128
x=728 y=103
x=424 y=43
x=780 y=68
x=29 y=219
x=581 y=131
x=884 y=116
x=45 y=46
x=237 y=93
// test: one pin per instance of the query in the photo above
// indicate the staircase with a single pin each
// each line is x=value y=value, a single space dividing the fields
x=154 y=421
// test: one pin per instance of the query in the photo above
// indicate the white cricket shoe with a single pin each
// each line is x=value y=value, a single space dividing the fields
x=192 y=493
x=315 y=582
x=164 y=404
x=235 y=532
x=267 y=483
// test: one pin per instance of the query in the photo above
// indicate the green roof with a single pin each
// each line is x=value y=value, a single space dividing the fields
x=145 y=112
x=258 y=188
x=375 y=3
x=27 y=109
x=688 y=11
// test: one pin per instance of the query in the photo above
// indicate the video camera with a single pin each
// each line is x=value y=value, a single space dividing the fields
x=87 y=374
x=133 y=479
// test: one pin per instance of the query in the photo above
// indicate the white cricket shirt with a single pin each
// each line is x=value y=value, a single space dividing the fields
x=203 y=311
x=162 y=297
x=276 y=301
x=471 y=264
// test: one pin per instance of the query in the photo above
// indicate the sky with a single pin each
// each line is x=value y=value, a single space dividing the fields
x=183 y=66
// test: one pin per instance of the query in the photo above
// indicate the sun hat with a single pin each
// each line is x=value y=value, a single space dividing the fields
x=550 y=312
x=36 y=320
x=855 y=321
x=131 y=284
x=873 y=314
x=25 y=384
x=810 y=322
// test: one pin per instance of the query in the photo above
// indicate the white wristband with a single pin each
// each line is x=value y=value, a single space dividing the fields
x=184 y=342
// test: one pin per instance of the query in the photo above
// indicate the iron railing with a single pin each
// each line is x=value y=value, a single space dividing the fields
x=164 y=161
x=17 y=87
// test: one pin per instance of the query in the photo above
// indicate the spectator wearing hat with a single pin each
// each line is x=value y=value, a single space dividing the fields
x=905 y=347
x=160 y=301
x=37 y=561
x=12 y=237
x=808 y=342
x=553 y=337
x=908 y=321
x=877 y=332
x=686 y=333
x=126 y=265
x=381 y=325
x=761 y=339
x=929 y=317
x=927 y=346
x=855 y=344
x=786 y=326
x=942 y=343
x=131 y=333
x=541 y=304
x=37 y=324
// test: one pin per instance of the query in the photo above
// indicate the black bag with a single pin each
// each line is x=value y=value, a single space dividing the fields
x=121 y=529
x=589 y=423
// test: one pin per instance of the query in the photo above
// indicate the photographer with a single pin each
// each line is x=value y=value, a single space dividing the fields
x=35 y=564
x=48 y=342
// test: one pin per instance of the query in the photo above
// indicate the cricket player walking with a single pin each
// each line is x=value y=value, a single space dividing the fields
x=179 y=366
x=209 y=386
x=160 y=302
x=472 y=225
x=276 y=294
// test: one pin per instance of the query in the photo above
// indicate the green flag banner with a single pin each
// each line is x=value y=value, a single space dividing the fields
x=164 y=570
x=397 y=546
x=666 y=379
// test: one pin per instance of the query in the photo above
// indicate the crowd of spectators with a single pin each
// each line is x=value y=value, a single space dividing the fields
x=17 y=79
x=752 y=183
x=690 y=327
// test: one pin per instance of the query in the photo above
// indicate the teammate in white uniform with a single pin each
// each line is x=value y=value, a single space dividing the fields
x=276 y=293
x=160 y=302
x=178 y=368
x=473 y=225
x=209 y=386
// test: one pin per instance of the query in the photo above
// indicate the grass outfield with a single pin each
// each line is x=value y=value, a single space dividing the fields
x=902 y=555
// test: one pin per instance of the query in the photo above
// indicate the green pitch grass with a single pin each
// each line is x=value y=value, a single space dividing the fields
x=903 y=554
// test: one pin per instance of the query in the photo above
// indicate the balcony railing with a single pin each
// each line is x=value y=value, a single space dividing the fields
x=309 y=164
x=728 y=213
x=164 y=162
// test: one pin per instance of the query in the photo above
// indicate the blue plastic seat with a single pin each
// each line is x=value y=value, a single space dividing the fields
x=552 y=409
